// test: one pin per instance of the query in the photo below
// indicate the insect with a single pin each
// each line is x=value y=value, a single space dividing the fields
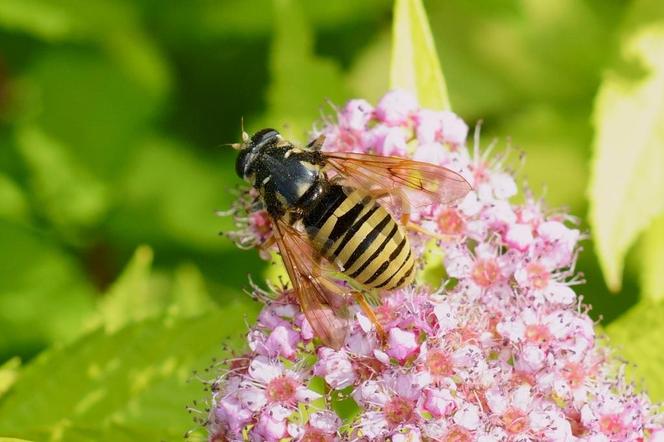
x=328 y=214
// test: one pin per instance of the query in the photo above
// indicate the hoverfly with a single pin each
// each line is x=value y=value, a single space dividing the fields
x=328 y=215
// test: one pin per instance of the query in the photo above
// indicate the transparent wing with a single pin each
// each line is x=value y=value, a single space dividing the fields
x=418 y=182
x=319 y=297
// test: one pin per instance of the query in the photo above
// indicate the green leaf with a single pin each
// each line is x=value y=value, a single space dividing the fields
x=301 y=81
x=652 y=261
x=627 y=185
x=433 y=273
x=344 y=405
x=64 y=189
x=8 y=374
x=190 y=296
x=111 y=24
x=130 y=385
x=367 y=73
x=11 y=439
x=139 y=294
x=170 y=195
x=133 y=297
x=44 y=296
x=556 y=138
x=506 y=56
x=638 y=337
x=141 y=59
x=415 y=66
x=13 y=202
x=51 y=23
x=65 y=19
x=92 y=106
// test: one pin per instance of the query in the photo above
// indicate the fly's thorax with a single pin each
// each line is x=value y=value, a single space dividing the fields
x=289 y=178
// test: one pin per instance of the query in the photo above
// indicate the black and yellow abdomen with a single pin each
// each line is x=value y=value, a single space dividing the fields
x=352 y=230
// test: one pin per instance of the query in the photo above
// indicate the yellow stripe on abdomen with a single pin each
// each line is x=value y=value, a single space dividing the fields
x=365 y=243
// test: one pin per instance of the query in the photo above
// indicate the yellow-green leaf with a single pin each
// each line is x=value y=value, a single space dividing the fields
x=627 y=184
x=637 y=336
x=190 y=295
x=51 y=23
x=415 y=66
x=8 y=374
x=132 y=385
x=652 y=261
x=133 y=297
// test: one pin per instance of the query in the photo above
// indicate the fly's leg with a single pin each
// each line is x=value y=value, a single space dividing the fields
x=368 y=311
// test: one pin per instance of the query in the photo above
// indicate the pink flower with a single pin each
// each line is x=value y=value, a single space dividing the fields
x=401 y=344
x=556 y=244
x=230 y=411
x=322 y=427
x=431 y=153
x=519 y=236
x=388 y=141
x=454 y=129
x=407 y=434
x=335 y=367
x=356 y=115
x=503 y=350
x=429 y=128
x=396 y=108
x=272 y=425
x=439 y=402
x=269 y=382
x=468 y=416
x=282 y=342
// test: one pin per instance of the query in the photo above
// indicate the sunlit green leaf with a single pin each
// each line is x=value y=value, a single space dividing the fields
x=131 y=385
x=433 y=273
x=415 y=66
x=8 y=374
x=133 y=296
x=652 y=261
x=189 y=294
x=638 y=336
x=51 y=23
x=139 y=293
x=627 y=184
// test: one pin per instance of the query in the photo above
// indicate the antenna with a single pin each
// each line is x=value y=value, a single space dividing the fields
x=245 y=136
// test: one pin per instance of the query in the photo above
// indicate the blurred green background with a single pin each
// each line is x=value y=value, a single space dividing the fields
x=112 y=117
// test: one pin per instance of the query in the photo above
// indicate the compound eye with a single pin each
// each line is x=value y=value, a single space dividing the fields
x=264 y=136
x=241 y=162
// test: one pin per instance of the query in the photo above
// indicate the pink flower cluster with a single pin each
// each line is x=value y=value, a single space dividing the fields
x=503 y=351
